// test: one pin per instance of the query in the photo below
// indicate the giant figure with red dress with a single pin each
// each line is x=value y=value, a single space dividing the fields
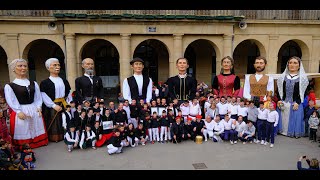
x=226 y=83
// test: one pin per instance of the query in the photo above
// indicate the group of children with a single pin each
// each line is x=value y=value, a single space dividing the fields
x=133 y=124
x=11 y=160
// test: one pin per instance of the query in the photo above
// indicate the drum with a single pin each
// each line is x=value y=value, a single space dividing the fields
x=199 y=139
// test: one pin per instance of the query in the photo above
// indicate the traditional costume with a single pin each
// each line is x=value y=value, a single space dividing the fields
x=88 y=88
x=24 y=96
x=226 y=85
x=292 y=90
x=257 y=86
x=54 y=91
x=182 y=87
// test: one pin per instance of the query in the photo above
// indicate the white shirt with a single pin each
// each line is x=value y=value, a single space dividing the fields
x=233 y=108
x=210 y=125
x=228 y=125
x=273 y=117
x=263 y=113
x=240 y=127
x=70 y=139
x=59 y=89
x=246 y=89
x=243 y=111
x=91 y=80
x=295 y=76
x=127 y=109
x=223 y=108
x=185 y=110
x=64 y=119
x=218 y=126
x=207 y=105
x=139 y=80
x=88 y=136
x=194 y=109
x=11 y=97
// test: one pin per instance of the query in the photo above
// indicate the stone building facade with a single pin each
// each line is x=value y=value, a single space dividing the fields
x=113 y=37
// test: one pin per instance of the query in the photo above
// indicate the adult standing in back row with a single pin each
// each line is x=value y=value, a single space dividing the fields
x=258 y=85
x=182 y=86
x=138 y=86
x=88 y=87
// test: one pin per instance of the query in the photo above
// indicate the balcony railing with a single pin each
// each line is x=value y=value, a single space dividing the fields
x=248 y=14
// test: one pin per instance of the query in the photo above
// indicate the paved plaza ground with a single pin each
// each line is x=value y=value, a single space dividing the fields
x=183 y=156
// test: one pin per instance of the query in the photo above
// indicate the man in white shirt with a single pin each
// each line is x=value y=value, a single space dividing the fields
x=194 y=108
x=223 y=107
x=138 y=86
x=257 y=86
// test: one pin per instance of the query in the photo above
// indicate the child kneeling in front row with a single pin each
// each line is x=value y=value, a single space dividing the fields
x=71 y=138
x=114 y=144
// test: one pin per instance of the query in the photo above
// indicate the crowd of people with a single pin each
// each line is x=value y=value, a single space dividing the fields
x=177 y=110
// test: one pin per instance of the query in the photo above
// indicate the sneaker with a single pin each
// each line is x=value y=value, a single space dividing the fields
x=271 y=145
x=257 y=141
x=206 y=140
x=244 y=143
x=231 y=142
x=235 y=142
x=93 y=147
x=152 y=142
x=250 y=142
x=266 y=143
x=143 y=144
x=162 y=142
x=69 y=150
x=262 y=142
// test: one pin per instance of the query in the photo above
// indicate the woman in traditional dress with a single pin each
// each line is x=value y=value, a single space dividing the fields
x=24 y=98
x=226 y=83
x=292 y=85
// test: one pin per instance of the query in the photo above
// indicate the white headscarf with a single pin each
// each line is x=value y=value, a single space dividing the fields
x=303 y=81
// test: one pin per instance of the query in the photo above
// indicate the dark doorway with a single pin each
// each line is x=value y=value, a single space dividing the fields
x=106 y=63
x=287 y=50
x=156 y=59
x=39 y=51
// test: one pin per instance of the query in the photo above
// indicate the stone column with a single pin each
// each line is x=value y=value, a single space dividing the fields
x=125 y=57
x=13 y=52
x=272 y=57
x=227 y=50
x=315 y=55
x=177 y=53
x=71 y=62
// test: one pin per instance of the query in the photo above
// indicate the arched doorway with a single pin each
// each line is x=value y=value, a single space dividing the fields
x=37 y=52
x=287 y=50
x=202 y=60
x=156 y=57
x=106 y=63
x=244 y=56
x=4 y=71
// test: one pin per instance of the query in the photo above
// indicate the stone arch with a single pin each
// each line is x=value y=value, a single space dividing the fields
x=4 y=70
x=202 y=55
x=155 y=53
x=37 y=52
x=106 y=63
x=293 y=47
x=244 y=56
